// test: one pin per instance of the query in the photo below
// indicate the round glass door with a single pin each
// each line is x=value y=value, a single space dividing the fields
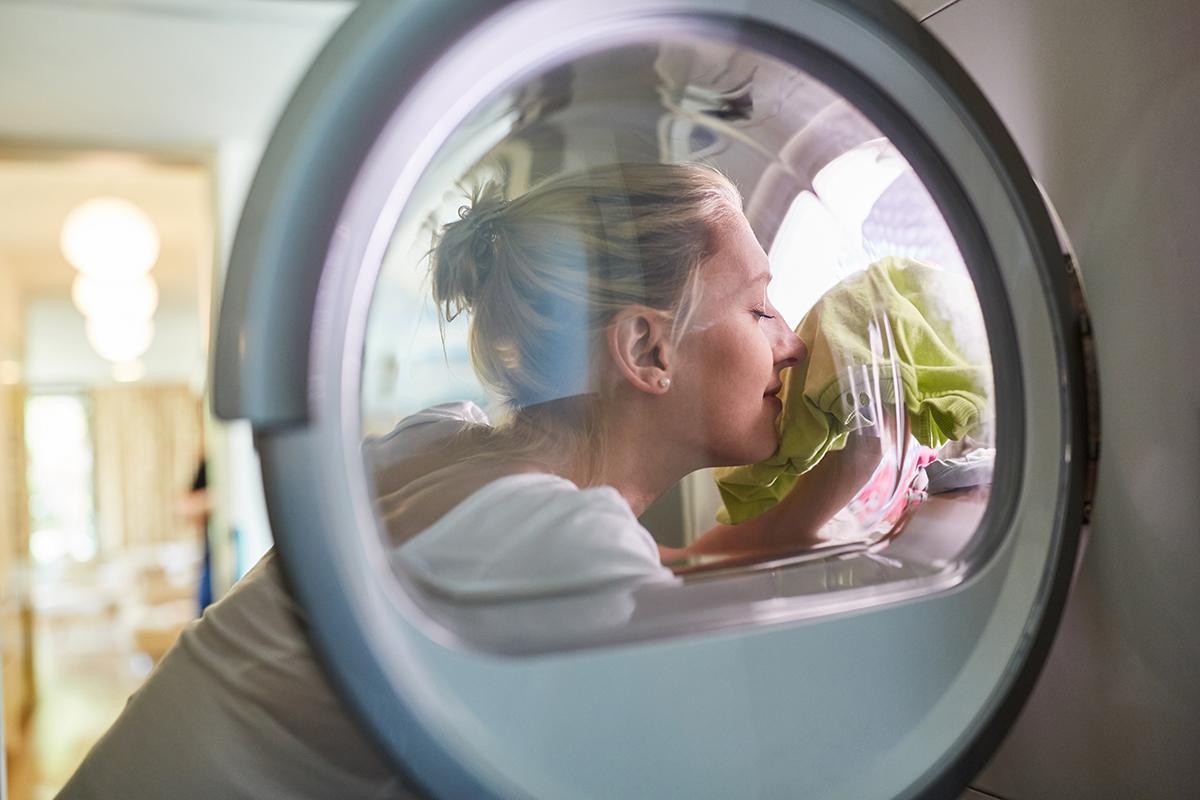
x=664 y=398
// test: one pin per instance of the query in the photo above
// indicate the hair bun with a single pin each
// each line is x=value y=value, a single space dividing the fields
x=465 y=251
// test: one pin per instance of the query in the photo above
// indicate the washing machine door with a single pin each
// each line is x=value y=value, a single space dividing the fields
x=882 y=655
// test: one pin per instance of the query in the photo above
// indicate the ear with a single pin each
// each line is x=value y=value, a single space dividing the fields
x=639 y=343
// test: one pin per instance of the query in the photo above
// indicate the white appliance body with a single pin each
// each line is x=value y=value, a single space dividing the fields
x=1103 y=98
x=884 y=695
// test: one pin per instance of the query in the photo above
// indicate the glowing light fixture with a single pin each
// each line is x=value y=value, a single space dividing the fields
x=114 y=244
x=128 y=371
x=129 y=298
x=120 y=340
x=109 y=237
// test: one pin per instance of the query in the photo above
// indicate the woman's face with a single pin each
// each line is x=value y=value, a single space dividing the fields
x=736 y=345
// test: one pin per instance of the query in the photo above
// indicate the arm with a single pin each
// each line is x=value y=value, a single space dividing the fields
x=796 y=520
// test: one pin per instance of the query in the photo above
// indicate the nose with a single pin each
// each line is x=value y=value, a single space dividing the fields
x=786 y=346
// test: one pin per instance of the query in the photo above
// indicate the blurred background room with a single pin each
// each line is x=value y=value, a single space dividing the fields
x=129 y=134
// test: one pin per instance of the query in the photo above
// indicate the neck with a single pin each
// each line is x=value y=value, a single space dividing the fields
x=637 y=463
x=634 y=457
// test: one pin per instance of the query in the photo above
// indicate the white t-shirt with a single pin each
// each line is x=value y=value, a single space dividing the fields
x=239 y=707
x=521 y=536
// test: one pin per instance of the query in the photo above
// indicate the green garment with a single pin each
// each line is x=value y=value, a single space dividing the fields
x=898 y=319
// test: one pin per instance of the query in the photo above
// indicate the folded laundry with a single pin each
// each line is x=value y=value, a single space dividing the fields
x=972 y=469
x=899 y=333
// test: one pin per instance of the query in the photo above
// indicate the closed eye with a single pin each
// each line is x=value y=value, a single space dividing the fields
x=758 y=312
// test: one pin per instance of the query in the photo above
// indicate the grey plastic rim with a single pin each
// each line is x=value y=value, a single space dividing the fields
x=288 y=361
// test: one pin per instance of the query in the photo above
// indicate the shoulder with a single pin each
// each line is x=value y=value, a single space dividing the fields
x=422 y=430
x=232 y=709
x=445 y=417
x=534 y=534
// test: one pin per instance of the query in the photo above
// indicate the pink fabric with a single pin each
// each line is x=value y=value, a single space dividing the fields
x=886 y=499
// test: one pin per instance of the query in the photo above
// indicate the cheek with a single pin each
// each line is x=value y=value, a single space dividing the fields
x=755 y=361
x=728 y=362
x=746 y=366
x=731 y=369
x=732 y=366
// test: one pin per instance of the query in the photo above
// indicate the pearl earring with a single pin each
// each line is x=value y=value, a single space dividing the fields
x=665 y=383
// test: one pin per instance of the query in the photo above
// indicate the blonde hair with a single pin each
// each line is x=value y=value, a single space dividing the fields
x=543 y=274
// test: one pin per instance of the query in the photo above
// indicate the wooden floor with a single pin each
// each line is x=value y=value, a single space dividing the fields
x=86 y=668
x=94 y=641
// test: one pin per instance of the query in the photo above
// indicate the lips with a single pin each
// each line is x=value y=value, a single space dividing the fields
x=773 y=391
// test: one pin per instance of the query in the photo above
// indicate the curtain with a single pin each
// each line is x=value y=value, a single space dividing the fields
x=16 y=644
x=148 y=444
x=14 y=517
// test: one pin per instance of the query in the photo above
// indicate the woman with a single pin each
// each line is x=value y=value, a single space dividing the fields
x=621 y=314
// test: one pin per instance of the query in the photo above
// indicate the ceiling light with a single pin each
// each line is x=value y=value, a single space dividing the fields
x=109 y=237
x=128 y=371
x=120 y=340
x=130 y=298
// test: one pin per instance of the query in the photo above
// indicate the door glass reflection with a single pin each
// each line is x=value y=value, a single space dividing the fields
x=665 y=312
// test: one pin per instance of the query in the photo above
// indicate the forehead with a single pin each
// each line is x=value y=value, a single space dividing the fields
x=738 y=261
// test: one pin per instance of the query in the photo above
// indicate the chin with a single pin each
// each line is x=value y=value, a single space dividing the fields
x=769 y=438
x=750 y=445
x=766 y=452
x=739 y=454
x=764 y=446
